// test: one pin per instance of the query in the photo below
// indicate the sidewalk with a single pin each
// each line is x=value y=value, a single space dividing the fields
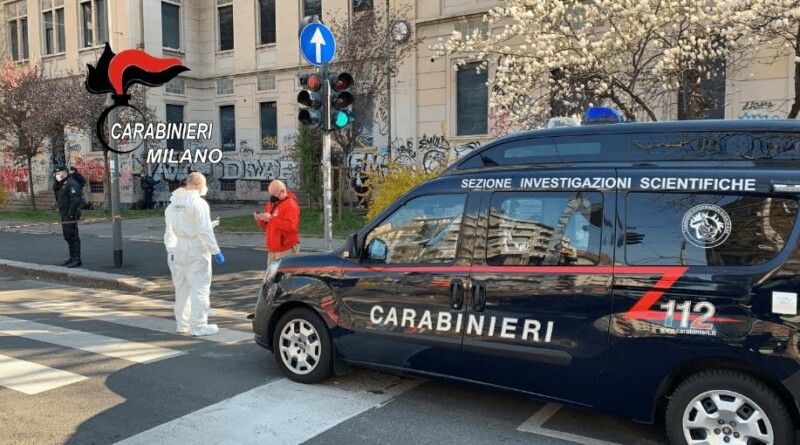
x=37 y=251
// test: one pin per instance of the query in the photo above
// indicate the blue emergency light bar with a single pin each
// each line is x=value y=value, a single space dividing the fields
x=602 y=115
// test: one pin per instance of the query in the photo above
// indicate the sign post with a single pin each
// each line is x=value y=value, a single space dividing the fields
x=114 y=176
x=318 y=48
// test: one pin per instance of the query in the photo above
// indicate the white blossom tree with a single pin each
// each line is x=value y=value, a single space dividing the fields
x=556 y=55
x=775 y=23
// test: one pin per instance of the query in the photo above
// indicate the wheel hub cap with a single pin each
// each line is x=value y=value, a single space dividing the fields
x=726 y=417
x=299 y=346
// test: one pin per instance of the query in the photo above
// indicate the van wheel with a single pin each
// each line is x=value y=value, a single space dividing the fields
x=727 y=407
x=302 y=346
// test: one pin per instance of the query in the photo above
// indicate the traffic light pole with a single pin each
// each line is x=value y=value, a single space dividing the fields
x=114 y=177
x=327 y=189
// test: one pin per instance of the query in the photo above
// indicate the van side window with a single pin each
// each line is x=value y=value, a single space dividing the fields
x=543 y=228
x=425 y=229
x=673 y=229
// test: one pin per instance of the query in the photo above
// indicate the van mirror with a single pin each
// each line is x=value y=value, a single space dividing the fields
x=351 y=249
x=376 y=250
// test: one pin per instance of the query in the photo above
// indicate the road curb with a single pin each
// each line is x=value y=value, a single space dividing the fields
x=78 y=277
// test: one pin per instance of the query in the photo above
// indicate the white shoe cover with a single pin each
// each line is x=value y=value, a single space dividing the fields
x=208 y=330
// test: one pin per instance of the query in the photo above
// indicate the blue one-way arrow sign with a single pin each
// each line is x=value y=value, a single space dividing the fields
x=317 y=44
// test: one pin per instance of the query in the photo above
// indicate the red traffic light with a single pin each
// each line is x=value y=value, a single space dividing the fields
x=341 y=81
x=311 y=81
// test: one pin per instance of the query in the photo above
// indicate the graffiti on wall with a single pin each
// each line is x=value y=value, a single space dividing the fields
x=761 y=109
x=15 y=181
x=429 y=152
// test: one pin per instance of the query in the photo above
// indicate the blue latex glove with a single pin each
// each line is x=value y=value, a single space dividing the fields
x=219 y=258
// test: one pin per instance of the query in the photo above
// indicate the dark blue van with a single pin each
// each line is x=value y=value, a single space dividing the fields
x=635 y=269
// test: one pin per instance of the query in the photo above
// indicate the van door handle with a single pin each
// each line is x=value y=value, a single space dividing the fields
x=479 y=296
x=456 y=294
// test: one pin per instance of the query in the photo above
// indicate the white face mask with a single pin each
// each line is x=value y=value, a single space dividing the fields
x=60 y=176
x=203 y=191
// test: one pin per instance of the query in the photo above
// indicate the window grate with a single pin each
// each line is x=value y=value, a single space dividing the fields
x=96 y=187
x=267 y=82
x=176 y=86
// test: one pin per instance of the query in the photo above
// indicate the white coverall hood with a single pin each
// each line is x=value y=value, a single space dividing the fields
x=190 y=243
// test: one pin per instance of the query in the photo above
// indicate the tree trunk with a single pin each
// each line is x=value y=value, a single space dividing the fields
x=796 y=105
x=30 y=183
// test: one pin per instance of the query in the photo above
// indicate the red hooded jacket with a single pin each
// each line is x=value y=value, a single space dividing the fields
x=283 y=229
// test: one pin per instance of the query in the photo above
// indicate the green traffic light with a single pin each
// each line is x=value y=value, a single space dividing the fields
x=342 y=118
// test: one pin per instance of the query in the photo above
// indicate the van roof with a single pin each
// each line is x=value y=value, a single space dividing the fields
x=638 y=142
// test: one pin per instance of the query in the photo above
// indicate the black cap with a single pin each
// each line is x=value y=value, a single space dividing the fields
x=59 y=168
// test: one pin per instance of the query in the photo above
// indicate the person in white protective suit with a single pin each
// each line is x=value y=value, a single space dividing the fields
x=190 y=242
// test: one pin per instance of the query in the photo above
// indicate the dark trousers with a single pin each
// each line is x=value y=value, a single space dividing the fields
x=70 y=231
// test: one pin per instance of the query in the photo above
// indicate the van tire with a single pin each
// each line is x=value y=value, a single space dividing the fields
x=728 y=386
x=302 y=346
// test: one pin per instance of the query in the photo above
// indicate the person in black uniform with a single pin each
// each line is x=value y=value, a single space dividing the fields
x=68 y=198
x=77 y=176
x=148 y=186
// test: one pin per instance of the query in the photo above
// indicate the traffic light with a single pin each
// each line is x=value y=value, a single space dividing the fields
x=312 y=98
x=341 y=99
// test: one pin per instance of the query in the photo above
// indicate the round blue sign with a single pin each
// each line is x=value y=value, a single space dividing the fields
x=317 y=44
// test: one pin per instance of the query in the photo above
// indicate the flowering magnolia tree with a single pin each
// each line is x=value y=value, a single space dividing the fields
x=559 y=56
x=34 y=107
x=774 y=23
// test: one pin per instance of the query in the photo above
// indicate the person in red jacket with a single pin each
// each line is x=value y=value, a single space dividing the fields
x=281 y=220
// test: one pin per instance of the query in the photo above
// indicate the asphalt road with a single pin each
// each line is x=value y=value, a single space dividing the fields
x=235 y=285
x=82 y=366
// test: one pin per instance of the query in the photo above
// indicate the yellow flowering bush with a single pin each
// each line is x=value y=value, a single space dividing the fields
x=399 y=179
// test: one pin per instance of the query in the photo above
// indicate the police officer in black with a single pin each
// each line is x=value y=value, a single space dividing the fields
x=68 y=198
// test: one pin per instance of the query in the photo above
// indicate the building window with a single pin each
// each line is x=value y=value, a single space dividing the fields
x=266 y=20
x=472 y=100
x=266 y=82
x=468 y=26
x=365 y=118
x=171 y=25
x=265 y=186
x=176 y=86
x=312 y=8
x=22 y=187
x=225 y=86
x=702 y=96
x=225 y=13
x=175 y=116
x=17 y=16
x=94 y=20
x=94 y=146
x=362 y=5
x=269 y=126
x=227 y=185
x=227 y=124
x=96 y=187
x=53 y=26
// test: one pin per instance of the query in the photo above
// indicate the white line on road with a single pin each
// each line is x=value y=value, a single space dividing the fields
x=31 y=378
x=534 y=425
x=131 y=319
x=280 y=412
x=98 y=344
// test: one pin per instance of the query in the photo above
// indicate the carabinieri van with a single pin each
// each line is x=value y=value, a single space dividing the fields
x=640 y=269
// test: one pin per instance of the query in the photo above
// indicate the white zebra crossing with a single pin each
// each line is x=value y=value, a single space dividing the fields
x=32 y=378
